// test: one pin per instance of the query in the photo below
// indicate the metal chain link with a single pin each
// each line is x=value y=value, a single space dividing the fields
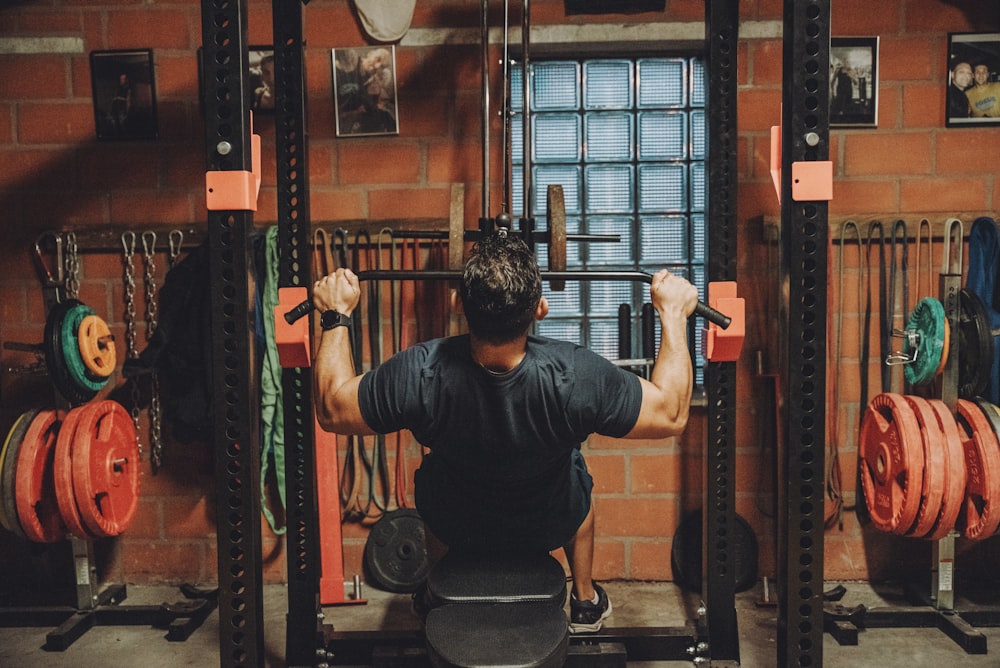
x=72 y=267
x=152 y=309
x=131 y=352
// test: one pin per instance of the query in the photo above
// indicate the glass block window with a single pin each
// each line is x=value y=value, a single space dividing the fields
x=626 y=139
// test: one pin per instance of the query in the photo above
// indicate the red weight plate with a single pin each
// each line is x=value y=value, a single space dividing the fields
x=982 y=466
x=65 y=447
x=8 y=472
x=890 y=457
x=932 y=489
x=34 y=487
x=106 y=468
x=953 y=499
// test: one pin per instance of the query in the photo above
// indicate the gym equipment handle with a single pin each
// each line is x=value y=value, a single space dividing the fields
x=701 y=309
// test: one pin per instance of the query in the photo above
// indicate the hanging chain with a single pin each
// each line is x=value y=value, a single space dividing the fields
x=155 y=413
x=175 y=240
x=72 y=267
x=128 y=259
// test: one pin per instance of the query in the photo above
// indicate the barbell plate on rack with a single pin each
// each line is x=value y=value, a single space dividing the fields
x=555 y=214
x=982 y=466
x=953 y=499
x=55 y=360
x=933 y=474
x=63 y=473
x=890 y=457
x=395 y=553
x=8 y=472
x=975 y=343
x=928 y=320
x=97 y=346
x=34 y=487
x=106 y=468
x=70 y=329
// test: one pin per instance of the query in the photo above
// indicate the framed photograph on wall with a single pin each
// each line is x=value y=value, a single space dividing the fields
x=854 y=82
x=124 y=94
x=973 y=85
x=364 y=90
x=261 y=65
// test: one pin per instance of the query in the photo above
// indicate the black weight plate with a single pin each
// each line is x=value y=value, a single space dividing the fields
x=975 y=346
x=8 y=471
x=685 y=553
x=396 y=552
x=54 y=359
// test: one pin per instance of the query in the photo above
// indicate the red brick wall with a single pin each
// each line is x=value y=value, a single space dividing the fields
x=56 y=176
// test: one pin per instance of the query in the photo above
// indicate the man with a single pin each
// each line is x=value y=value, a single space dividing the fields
x=984 y=95
x=503 y=413
x=961 y=79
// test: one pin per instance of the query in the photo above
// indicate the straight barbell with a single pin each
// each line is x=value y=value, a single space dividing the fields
x=701 y=309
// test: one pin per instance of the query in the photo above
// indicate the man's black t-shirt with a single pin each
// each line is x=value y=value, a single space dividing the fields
x=502 y=462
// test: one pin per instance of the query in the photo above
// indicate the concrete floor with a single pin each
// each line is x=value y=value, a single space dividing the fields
x=635 y=604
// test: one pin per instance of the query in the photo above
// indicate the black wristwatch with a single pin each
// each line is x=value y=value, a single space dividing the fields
x=332 y=319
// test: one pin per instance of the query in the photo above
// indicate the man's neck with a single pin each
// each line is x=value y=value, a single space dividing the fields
x=498 y=358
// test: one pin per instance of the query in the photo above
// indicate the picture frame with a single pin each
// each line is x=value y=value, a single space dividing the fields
x=261 y=78
x=972 y=86
x=124 y=94
x=854 y=82
x=364 y=89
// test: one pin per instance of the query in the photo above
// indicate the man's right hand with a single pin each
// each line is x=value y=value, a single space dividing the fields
x=339 y=291
x=672 y=294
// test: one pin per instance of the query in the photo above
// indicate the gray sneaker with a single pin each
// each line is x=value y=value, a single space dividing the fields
x=587 y=617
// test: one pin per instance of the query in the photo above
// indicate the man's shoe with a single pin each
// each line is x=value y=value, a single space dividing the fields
x=588 y=617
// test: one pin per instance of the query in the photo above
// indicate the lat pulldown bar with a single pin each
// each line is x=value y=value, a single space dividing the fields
x=701 y=309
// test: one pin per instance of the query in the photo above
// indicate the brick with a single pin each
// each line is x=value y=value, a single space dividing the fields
x=412 y=203
x=55 y=123
x=174 y=28
x=887 y=153
x=51 y=21
x=136 y=205
x=930 y=16
x=47 y=80
x=854 y=17
x=759 y=108
x=948 y=195
x=423 y=116
x=449 y=162
x=6 y=123
x=68 y=208
x=148 y=520
x=888 y=115
x=375 y=162
x=124 y=165
x=35 y=168
x=608 y=473
x=609 y=559
x=853 y=195
x=907 y=59
x=646 y=517
x=163 y=562
x=767 y=63
x=189 y=517
x=650 y=560
x=654 y=474
x=923 y=105
x=339 y=204
x=952 y=147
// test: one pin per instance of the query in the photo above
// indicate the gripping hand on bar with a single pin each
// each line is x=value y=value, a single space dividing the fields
x=700 y=309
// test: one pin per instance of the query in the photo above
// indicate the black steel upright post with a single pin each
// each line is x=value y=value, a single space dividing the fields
x=304 y=621
x=719 y=514
x=805 y=138
x=236 y=437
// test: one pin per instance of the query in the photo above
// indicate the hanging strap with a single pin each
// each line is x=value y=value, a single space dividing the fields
x=897 y=316
x=272 y=406
x=834 y=476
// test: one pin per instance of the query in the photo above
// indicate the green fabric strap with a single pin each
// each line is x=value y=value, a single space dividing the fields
x=271 y=409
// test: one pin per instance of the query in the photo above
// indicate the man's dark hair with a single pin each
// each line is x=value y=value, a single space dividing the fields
x=501 y=288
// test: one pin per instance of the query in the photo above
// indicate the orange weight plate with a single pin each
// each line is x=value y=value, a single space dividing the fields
x=106 y=468
x=954 y=467
x=34 y=486
x=891 y=459
x=933 y=485
x=982 y=466
x=97 y=346
x=63 y=470
x=8 y=472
